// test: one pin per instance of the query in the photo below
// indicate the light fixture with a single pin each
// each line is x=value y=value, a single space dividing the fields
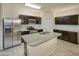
x=32 y=5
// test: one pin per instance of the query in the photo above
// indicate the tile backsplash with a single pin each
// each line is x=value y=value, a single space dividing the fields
x=24 y=27
x=74 y=28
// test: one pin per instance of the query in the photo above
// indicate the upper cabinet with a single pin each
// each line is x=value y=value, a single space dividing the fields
x=30 y=19
x=67 y=20
x=23 y=19
x=38 y=20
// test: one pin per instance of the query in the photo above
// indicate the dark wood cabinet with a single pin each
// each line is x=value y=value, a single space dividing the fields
x=25 y=32
x=67 y=20
x=29 y=31
x=74 y=20
x=38 y=20
x=73 y=37
x=25 y=19
x=40 y=30
x=68 y=36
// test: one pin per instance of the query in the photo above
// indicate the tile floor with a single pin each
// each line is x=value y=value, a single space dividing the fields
x=63 y=49
x=16 y=51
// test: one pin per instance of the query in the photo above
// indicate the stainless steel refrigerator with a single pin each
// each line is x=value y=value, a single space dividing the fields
x=11 y=32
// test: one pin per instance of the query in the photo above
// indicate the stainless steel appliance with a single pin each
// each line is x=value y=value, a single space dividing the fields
x=11 y=32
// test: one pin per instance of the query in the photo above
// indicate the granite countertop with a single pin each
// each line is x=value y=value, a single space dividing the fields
x=39 y=38
x=72 y=28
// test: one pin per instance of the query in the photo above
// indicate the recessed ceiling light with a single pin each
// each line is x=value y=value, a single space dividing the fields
x=32 y=5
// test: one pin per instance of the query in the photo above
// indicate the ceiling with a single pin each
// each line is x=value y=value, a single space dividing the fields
x=56 y=6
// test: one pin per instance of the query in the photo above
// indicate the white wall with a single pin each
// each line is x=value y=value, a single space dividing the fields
x=66 y=11
x=47 y=21
x=13 y=10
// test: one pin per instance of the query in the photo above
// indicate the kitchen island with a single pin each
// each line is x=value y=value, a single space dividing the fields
x=39 y=43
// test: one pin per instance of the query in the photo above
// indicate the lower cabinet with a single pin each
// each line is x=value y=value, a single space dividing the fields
x=25 y=32
x=68 y=36
x=73 y=37
x=31 y=31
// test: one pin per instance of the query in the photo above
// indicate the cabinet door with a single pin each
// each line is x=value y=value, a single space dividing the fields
x=74 y=20
x=38 y=20
x=73 y=37
x=62 y=20
x=58 y=20
x=24 y=19
x=31 y=17
x=65 y=36
x=66 y=20
x=70 y=37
